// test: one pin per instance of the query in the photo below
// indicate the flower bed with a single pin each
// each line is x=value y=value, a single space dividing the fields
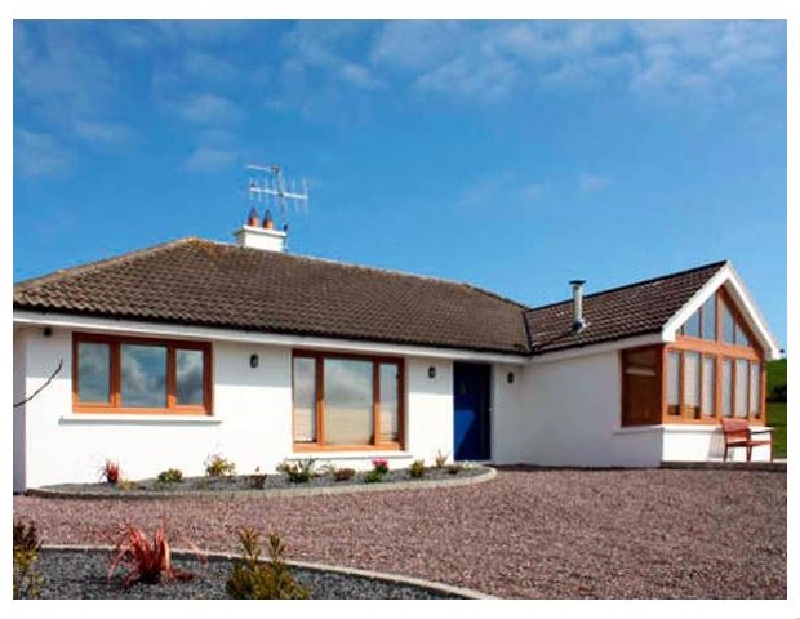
x=279 y=484
x=81 y=575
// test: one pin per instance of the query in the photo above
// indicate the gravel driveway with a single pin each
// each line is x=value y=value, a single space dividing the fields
x=526 y=534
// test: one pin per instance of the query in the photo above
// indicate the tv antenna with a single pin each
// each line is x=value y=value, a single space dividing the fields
x=266 y=184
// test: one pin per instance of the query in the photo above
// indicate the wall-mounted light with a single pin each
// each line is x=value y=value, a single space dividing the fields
x=254 y=361
x=510 y=378
x=48 y=332
x=432 y=372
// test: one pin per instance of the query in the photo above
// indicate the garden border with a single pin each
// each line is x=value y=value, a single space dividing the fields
x=399 y=579
x=136 y=495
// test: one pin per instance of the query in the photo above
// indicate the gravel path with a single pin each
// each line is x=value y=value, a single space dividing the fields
x=526 y=534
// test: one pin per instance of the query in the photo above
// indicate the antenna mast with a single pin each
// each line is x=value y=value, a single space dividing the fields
x=267 y=184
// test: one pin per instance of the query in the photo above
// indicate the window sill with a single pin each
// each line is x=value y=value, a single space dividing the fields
x=344 y=454
x=138 y=419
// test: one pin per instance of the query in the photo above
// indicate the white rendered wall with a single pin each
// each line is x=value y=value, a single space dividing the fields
x=251 y=425
x=576 y=409
x=512 y=416
x=697 y=444
x=19 y=413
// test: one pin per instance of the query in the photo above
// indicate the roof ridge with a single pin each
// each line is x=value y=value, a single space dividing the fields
x=718 y=263
x=385 y=270
x=91 y=266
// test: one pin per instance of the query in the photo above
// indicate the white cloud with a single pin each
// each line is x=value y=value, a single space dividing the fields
x=39 y=155
x=109 y=133
x=210 y=109
x=210 y=159
x=593 y=183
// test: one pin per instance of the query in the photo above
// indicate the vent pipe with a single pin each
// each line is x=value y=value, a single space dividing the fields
x=578 y=321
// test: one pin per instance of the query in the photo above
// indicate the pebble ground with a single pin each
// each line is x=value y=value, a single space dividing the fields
x=549 y=534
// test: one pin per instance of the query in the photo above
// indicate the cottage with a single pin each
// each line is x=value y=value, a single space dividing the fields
x=195 y=347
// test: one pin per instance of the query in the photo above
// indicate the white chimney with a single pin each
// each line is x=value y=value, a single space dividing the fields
x=578 y=321
x=263 y=236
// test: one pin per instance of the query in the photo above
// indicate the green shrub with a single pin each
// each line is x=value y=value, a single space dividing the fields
x=344 y=474
x=170 y=476
x=217 y=466
x=27 y=582
x=417 y=469
x=301 y=471
x=373 y=476
x=253 y=580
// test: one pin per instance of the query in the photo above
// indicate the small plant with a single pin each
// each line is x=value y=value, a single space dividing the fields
x=440 y=459
x=417 y=469
x=454 y=469
x=145 y=562
x=381 y=465
x=217 y=466
x=283 y=467
x=301 y=471
x=254 y=580
x=344 y=474
x=125 y=484
x=27 y=582
x=373 y=476
x=257 y=480
x=110 y=472
x=170 y=476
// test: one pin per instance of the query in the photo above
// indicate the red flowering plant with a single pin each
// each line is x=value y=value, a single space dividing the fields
x=110 y=472
x=380 y=466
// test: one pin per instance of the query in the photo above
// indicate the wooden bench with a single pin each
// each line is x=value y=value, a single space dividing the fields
x=738 y=434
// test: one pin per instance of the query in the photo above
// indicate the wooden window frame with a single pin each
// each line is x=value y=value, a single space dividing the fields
x=114 y=405
x=659 y=368
x=318 y=445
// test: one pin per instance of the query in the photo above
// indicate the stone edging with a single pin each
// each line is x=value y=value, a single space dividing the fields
x=727 y=466
x=462 y=592
x=489 y=473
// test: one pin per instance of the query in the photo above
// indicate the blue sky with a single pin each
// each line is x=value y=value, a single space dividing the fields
x=512 y=155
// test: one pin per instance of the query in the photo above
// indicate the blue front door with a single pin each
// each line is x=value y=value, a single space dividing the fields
x=471 y=411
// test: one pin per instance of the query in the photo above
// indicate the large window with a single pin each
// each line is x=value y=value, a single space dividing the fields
x=129 y=375
x=346 y=402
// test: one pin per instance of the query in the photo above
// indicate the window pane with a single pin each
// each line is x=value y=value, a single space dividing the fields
x=741 y=388
x=727 y=377
x=348 y=401
x=390 y=419
x=740 y=336
x=755 y=389
x=727 y=325
x=94 y=370
x=691 y=384
x=144 y=376
x=710 y=318
x=709 y=375
x=305 y=399
x=692 y=326
x=673 y=385
x=189 y=369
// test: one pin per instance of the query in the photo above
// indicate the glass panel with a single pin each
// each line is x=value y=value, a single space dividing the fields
x=94 y=372
x=390 y=418
x=740 y=336
x=189 y=369
x=741 y=388
x=709 y=375
x=727 y=325
x=673 y=384
x=755 y=390
x=710 y=318
x=348 y=401
x=144 y=376
x=304 y=394
x=727 y=377
x=692 y=326
x=691 y=384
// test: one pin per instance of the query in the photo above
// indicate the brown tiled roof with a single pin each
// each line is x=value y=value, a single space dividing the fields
x=629 y=311
x=197 y=282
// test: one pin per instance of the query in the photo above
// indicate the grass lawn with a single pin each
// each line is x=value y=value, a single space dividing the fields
x=776 y=418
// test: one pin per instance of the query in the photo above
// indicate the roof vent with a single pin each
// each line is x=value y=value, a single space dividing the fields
x=263 y=236
x=578 y=321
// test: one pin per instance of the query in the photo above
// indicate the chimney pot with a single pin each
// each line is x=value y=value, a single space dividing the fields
x=252 y=218
x=268 y=223
x=578 y=321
